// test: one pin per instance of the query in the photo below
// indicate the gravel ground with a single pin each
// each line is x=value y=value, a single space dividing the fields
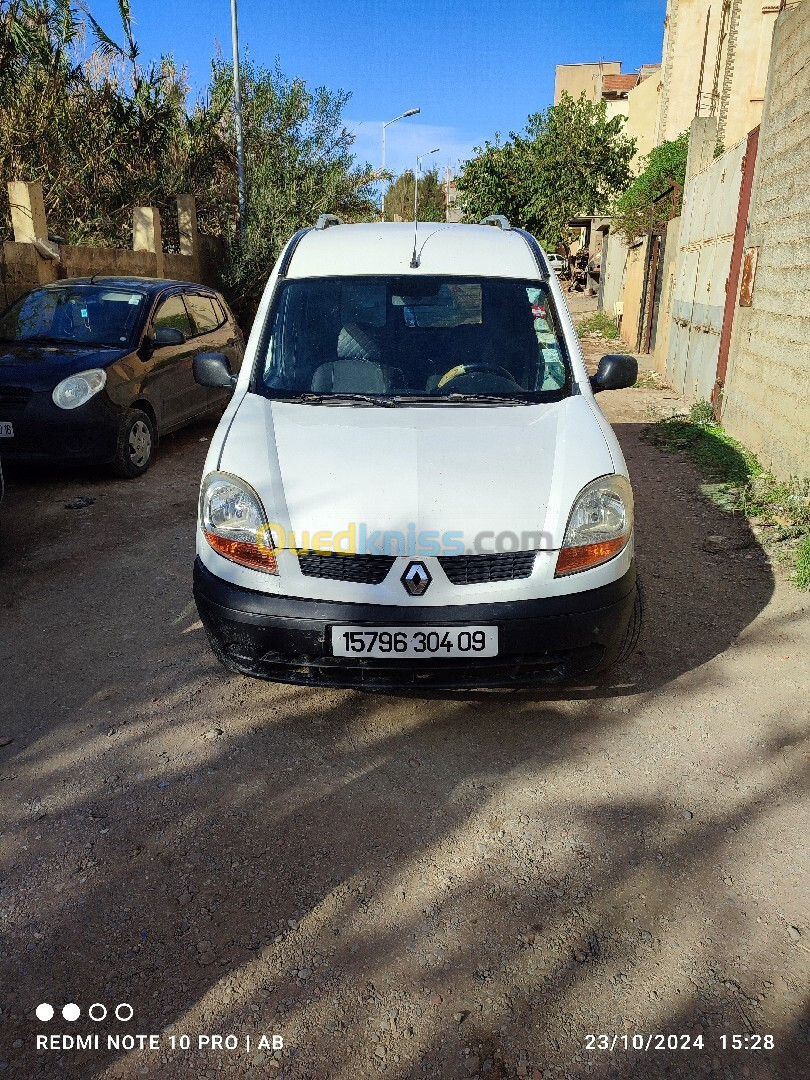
x=431 y=885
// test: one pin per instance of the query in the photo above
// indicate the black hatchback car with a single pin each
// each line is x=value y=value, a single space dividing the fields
x=94 y=371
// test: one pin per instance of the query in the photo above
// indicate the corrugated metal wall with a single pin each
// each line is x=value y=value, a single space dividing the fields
x=698 y=295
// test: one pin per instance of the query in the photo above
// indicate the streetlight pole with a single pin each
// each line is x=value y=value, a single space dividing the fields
x=388 y=123
x=237 y=108
x=419 y=161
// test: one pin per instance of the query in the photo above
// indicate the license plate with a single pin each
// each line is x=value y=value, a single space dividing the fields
x=6 y=430
x=414 y=642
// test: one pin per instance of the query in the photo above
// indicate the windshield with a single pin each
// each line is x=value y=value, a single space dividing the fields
x=80 y=314
x=415 y=338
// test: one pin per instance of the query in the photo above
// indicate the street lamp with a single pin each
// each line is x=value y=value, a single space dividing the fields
x=419 y=161
x=237 y=109
x=388 y=123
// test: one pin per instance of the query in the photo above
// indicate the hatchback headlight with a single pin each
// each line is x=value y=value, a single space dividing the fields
x=234 y=522
x=76 y=389
x=599 y=526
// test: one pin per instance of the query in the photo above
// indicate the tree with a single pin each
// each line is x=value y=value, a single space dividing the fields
x=656 y=194
x=570 y=161
x=430 y=196
x=298 y=163
x=101 y=133
x=104 y=134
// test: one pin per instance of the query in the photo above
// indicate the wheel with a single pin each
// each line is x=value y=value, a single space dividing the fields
x=136 y=443
x=633 y=626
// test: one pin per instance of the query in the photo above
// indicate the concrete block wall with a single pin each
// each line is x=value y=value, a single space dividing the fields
x=31 y=260
x=767 y=395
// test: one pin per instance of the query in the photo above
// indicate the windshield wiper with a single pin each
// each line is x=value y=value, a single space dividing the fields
x=476 y=399
x=311 y=398
x=490 y=399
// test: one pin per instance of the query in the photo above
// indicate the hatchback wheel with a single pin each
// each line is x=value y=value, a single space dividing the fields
x=135 y=445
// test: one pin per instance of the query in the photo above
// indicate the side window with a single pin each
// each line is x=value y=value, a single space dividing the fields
x=206 y=315
x=172 y=312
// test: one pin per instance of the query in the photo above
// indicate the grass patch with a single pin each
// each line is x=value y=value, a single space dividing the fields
x=601 y=324
x=737 y=483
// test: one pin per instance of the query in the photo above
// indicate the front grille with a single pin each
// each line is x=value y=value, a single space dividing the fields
x=475 y=569
x=14 y=397
x=364 y=569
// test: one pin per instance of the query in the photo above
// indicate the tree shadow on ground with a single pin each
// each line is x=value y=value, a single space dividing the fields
x=332 y=866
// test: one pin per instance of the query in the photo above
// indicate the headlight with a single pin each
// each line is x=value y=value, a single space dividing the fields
x=234 y=522
x=599 y=526
x=76 y=389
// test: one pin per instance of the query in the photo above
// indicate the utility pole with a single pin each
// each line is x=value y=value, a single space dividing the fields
x=388 y=123
x=237 y=108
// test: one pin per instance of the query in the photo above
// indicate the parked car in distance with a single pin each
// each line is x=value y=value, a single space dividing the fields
x=95 y=371
x=414 y=482
x=558 y=264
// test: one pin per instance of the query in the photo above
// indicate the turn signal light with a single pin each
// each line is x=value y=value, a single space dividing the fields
x=257 y=558
x=572 y=559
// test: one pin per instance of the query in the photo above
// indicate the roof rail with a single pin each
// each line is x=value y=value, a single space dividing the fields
x=498 y=220
x=325 y=221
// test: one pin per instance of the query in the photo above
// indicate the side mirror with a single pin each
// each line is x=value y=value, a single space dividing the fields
x=212 y=369
x=615 y=372
x=168 y=335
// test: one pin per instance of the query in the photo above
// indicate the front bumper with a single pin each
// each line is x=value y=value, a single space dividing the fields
x=45 y=433
x=286 y=639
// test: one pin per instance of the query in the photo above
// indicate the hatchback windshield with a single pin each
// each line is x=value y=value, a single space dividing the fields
x=418 y=338
x=84 y=314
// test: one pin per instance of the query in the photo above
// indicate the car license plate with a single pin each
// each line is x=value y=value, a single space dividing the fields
x=6 y=430
x=414 y=642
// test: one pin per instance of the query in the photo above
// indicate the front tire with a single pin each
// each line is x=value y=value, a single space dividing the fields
x=633 y=627
x=135 y=444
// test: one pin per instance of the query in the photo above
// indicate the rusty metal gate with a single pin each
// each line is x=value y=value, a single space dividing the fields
x=710 y=209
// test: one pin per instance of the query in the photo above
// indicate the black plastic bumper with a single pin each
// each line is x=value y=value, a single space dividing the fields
x=44 y=432
x=286 y=639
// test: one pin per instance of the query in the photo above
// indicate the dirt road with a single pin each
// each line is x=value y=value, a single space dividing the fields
x=420 y=885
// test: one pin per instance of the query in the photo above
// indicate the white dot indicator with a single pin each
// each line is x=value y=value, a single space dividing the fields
x=44 y=1011
x=124 y=1007
x=100 y=1011
x=71 y=1012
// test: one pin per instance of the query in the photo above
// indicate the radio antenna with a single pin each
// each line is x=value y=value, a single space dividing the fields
x=419 y=160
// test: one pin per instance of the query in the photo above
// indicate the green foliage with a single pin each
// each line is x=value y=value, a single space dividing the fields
x=298 y=164
x=644 y=205
x=430 y=196
x=104 y=134
x=101 y=133
x=572 y=160
x=598 y=323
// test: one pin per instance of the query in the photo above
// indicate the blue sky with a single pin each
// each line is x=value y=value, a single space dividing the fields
x=473 y=67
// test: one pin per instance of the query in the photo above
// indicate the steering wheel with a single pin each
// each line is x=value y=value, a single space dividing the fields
x=473 y=369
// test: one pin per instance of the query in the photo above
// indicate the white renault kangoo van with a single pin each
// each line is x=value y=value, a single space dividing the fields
x=413 y=483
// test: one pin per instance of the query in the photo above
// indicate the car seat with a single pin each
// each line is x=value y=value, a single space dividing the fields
x=357 y=369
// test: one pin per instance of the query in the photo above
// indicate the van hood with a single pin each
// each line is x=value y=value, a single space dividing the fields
x=459 y=470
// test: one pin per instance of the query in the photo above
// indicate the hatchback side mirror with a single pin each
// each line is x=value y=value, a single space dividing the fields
x=615 y=372
x=168 y=335
x=212 y=369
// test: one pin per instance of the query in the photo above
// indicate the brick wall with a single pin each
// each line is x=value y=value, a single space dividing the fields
x=767 y=396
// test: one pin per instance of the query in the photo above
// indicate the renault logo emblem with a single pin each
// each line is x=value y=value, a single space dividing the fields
x=416 y=579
